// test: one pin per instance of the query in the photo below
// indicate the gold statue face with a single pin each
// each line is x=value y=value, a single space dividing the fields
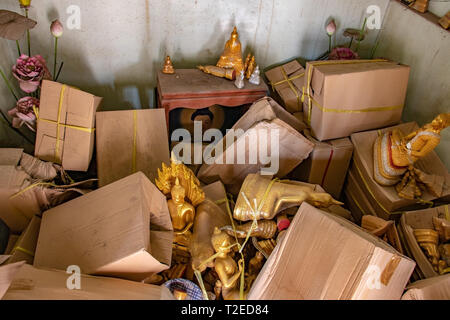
x=221 y=241
x=178 y=192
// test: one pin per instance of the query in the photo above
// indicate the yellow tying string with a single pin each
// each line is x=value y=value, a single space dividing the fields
x=22 y=250
x=311 y=101
x=36 y=112
x=31 y=186
x=370 y=191
x=447 y=214
x=291 y=86
x=286 y=79
x=198 y=275
x=357 y=203
x=61 y=100
x=134 y=139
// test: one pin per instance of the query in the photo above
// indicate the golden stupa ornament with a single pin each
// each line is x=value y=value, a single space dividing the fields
x=231 y=57
x=168 y=67
x=394 y=156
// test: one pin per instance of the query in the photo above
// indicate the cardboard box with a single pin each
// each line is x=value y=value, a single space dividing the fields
x=385 y=200
x=326 y=257
x=65 y=126
x=129 y=141
x=327 y=164
x=122 y=230
x=264 y=118
x=21 y=281
x=287 y=81
x=420 y=219
x=347 y=96
x=356 y=199
x=436 y=288
x=17 y=207
x=216 y=192
x=25 y=246
x=11 y=243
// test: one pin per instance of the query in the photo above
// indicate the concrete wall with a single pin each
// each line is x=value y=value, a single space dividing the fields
x=121 y=44
x=412 y=40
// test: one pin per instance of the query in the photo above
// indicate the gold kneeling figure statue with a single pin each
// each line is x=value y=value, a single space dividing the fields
x=182 y=214
x=394 y=153
x=226 y=268
x=277 y=196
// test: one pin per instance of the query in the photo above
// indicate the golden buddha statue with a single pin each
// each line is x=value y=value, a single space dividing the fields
x=250 y=68
x=231 y=57
x=276 y=196
x=181 y=183
x=181 y=212
x=395 y=153
x=226 y=268
x=254 y=267
x=168 y=67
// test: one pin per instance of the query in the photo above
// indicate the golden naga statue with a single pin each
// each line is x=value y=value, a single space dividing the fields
x=231 y=57
x=276 y=196
x=224 y=265
x=395 y=153
x=168 y=67
x=187 y=179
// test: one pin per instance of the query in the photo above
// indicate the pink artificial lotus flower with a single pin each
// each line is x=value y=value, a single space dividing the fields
x=23 y=113
x=56 y=28
x=30 y=71
x=342 y=54
x=331 y=27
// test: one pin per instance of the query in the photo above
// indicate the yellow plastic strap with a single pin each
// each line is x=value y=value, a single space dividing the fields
x=23 y=250
x=134 y=139
x=291 y=86
x=311 y=100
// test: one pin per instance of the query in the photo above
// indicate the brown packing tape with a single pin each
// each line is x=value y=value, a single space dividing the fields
x=389 y=270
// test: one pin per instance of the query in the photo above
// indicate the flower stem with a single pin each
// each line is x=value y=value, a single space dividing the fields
x=329 y=43
x=18 y=48
x=28 y=35
x=361 y=32
x=8 y=84
x=56 y=53
x=59 y=71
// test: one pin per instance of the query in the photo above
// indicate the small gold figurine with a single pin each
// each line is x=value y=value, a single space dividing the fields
x=265 y=229
x=226 y=268
x=168 y=67
x=445 y=21
x=444 y=252
x=231 y=57
x=219 y=72
x=250 y=68
x=276 y=196
x=254 y=266
x=265 y=246
x=394 y=153
x=247 y=60
x=428 y=240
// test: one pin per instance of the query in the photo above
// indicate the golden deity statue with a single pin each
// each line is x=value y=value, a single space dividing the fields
x=394 y=152
x=180 y=182
x=276 y=196
x=168 y=67
x=226 y=268
x=181 y=212
x=231 y=57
